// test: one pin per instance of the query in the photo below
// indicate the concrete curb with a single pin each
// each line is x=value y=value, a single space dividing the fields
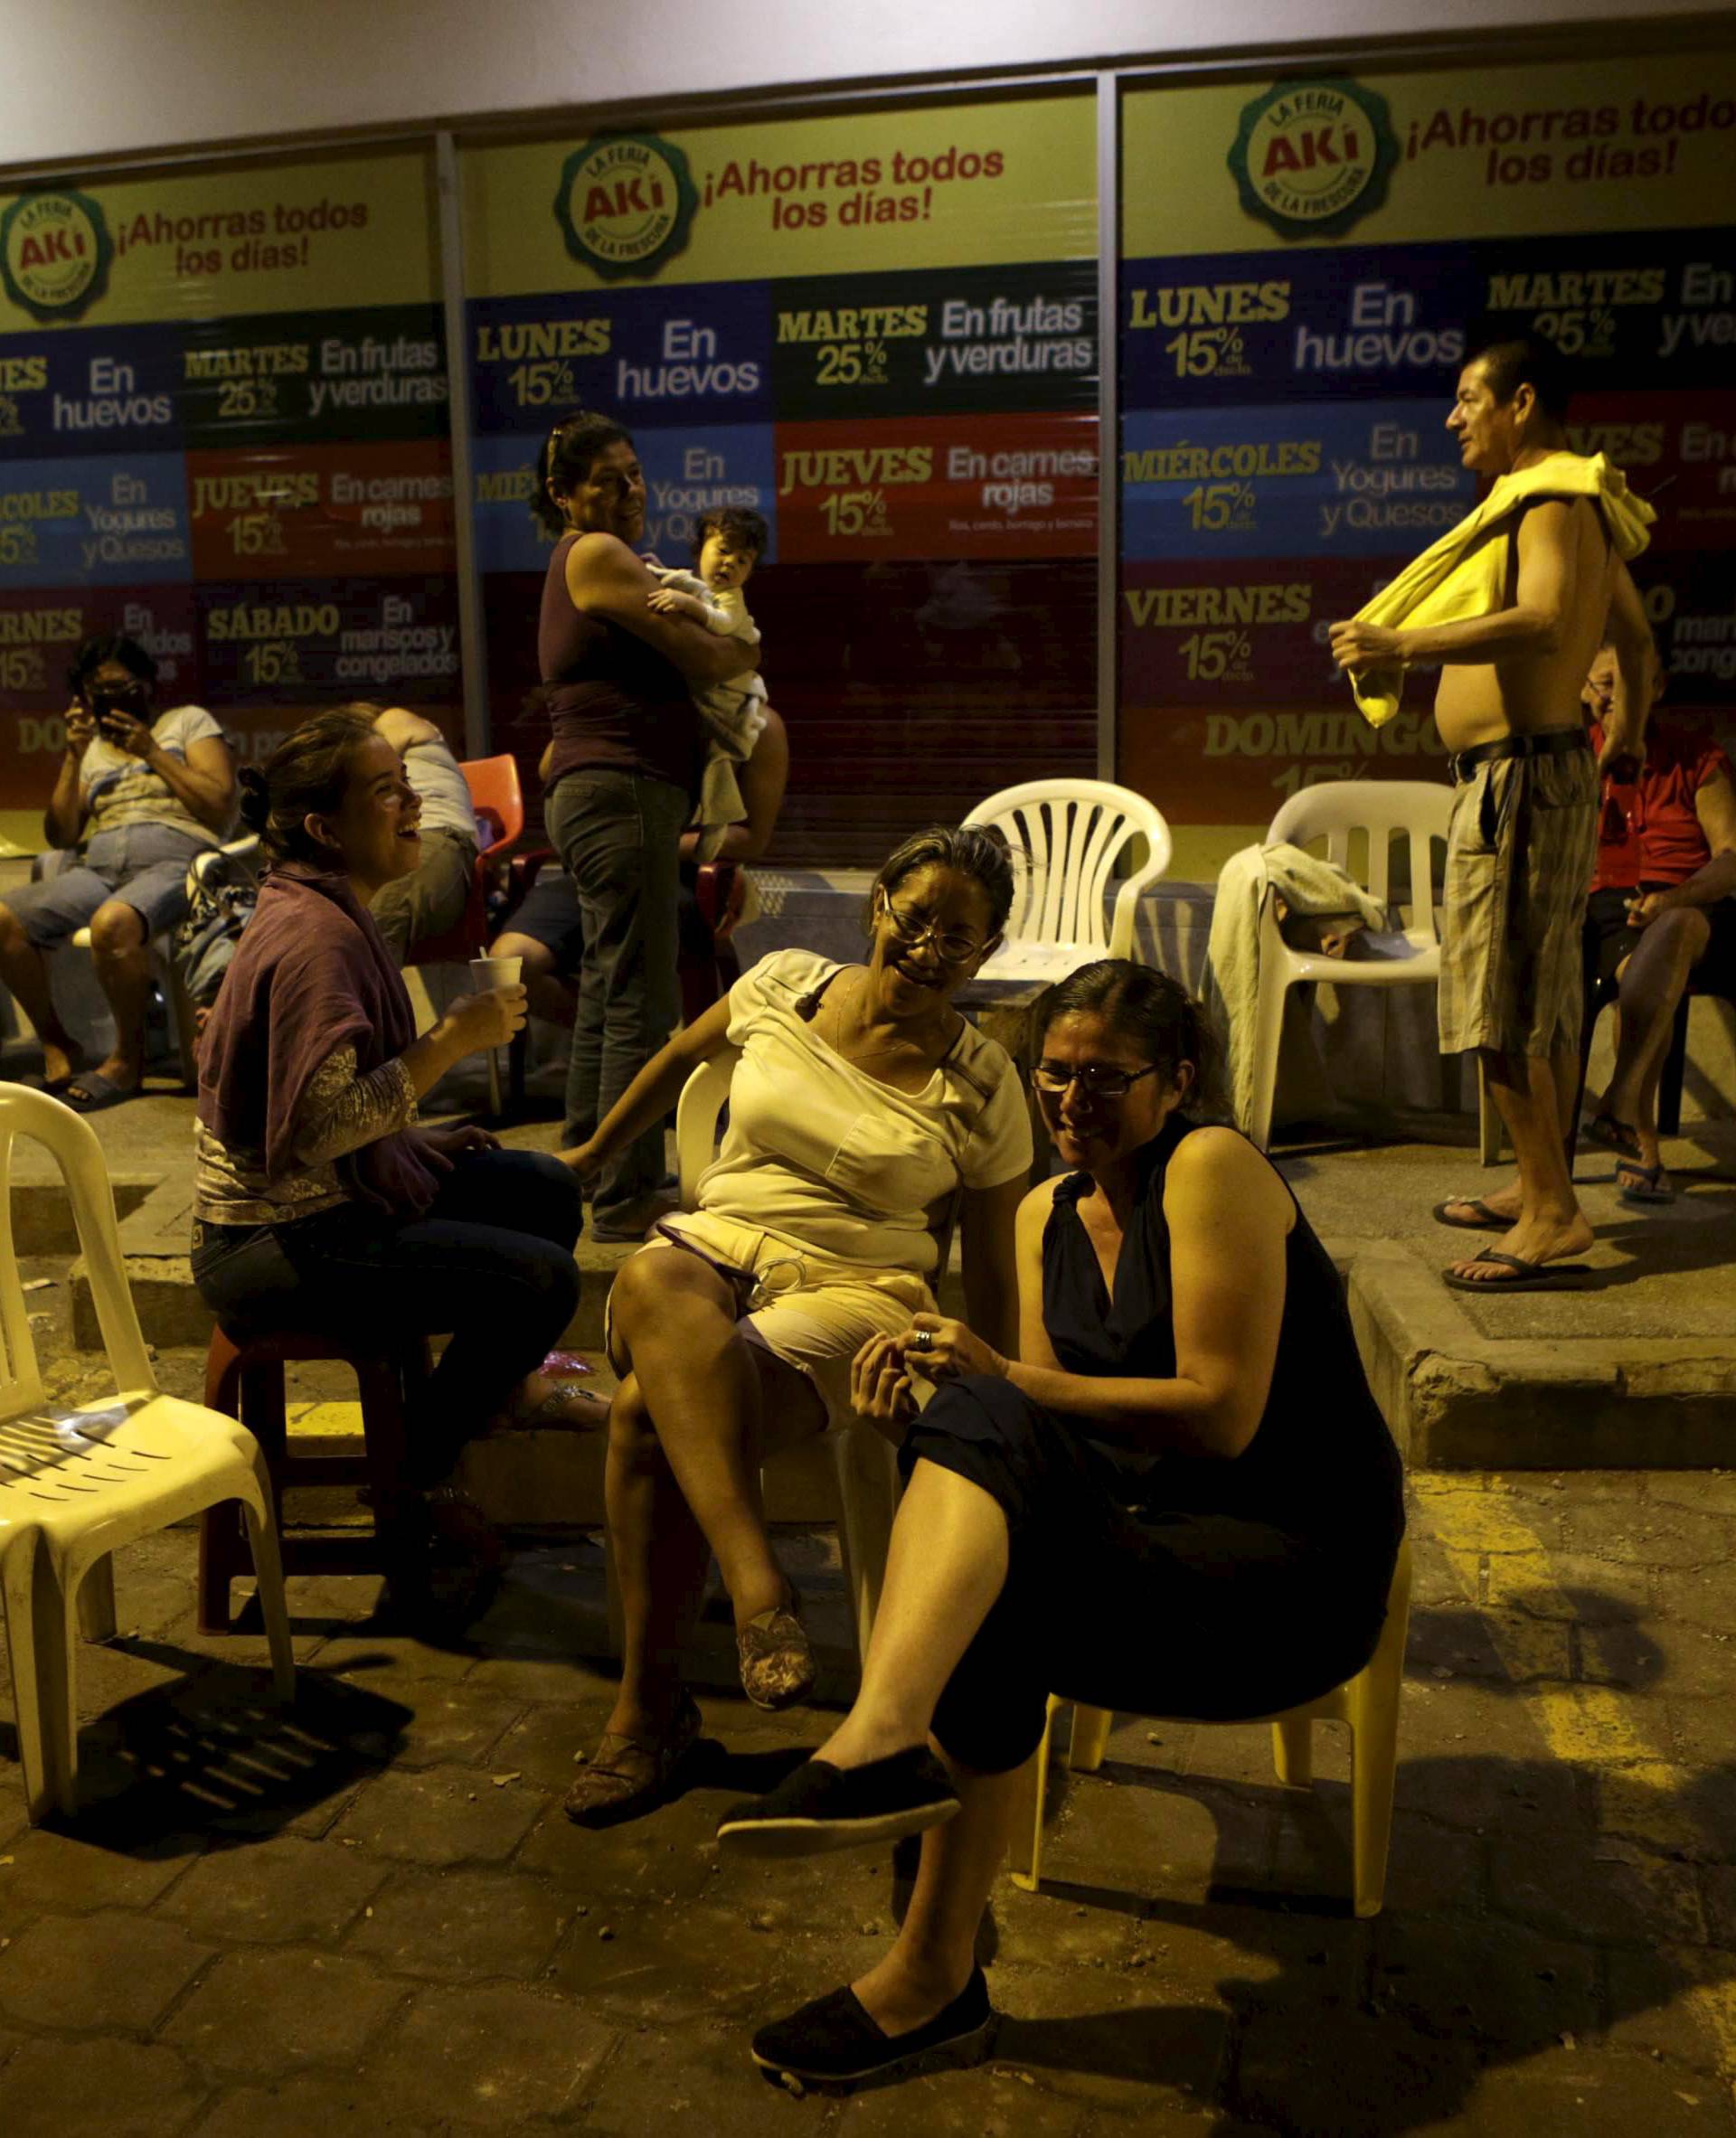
x=1456 y=1399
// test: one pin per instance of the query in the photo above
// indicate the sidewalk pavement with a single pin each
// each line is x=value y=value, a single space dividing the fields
x=370 y=1913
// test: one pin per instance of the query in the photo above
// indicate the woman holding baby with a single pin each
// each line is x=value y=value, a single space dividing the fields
x=619 y=668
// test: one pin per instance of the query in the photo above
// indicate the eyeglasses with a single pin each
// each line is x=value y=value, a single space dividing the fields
x=1094 y=1079
x=951 y=947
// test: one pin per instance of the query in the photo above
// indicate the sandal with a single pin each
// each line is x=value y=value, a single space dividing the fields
x=1620 y=1136
x=628 y=1775
x=1640 y=1183
x=777 y=1661
x=1486 y=1220
x=1527 y=1277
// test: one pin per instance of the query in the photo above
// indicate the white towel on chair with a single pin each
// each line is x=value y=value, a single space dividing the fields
x=1308 y=884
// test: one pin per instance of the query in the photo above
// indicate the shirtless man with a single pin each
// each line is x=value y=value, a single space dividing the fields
x=1524 y=830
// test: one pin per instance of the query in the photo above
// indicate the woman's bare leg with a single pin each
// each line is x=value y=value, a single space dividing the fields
x=947 y=1566
x=702 y=1385
x=660 y=1557
x=936 y=1950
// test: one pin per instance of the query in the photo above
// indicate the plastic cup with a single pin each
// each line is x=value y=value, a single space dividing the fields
x=495 y=972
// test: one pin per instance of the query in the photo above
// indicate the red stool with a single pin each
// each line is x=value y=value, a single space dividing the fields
x=245 y=1380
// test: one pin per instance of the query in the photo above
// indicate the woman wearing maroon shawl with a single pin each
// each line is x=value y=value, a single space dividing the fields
x=320 y=1204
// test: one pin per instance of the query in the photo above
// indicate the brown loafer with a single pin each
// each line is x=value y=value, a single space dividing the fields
x=628 y=1775
x=777 y=1661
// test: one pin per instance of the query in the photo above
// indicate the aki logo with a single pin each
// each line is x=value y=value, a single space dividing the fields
x=1313 y=158
x=626 y=203
x=56 y=252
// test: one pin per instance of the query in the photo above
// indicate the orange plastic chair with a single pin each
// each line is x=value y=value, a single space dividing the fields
x=498 y=800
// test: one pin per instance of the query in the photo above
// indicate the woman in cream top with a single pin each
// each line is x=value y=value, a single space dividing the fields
x=863 y=1111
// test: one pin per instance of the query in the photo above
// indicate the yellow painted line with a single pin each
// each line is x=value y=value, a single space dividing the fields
x=1583 y=1725
x=342 y=1421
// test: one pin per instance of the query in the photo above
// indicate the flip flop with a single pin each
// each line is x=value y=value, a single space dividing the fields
x=1528 y=1276
x=1644 y=1184
x=1486 y=1220
x=1614 y=1135
x=91 y=1092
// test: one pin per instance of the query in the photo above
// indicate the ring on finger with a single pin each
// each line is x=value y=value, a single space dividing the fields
x=923 y=1340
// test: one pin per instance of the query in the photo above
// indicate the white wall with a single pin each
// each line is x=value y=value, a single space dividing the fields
x=88 y=78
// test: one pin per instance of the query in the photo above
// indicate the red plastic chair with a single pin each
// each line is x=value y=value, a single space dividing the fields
x=498 y=800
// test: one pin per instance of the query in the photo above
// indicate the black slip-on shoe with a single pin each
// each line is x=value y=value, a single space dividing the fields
x=821 y=1806
x=834 y=2040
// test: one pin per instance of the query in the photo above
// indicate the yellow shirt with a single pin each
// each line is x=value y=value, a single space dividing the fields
x=819 y=1154
x=1464 y=573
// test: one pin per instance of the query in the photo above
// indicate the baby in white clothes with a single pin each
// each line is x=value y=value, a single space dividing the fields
x=727 y=546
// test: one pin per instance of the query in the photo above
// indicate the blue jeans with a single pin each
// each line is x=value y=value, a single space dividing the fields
x=618 y=835
x=490 y=1265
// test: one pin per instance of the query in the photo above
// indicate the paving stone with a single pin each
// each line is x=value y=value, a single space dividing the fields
x=1697 y=1596
x=448 y=1721
x=1146 y=1835
x=362 y=1655
x=1671 y=1810
x=69 y=1874
x=1110 y=2041
x=1718 y=1891
x=670 y=1965
x=1615 y=1893
x=1650 y=1535
x=1571 y=1585
x=700 y=2081
x=261 y=2015
x=440 y=1815
x=994 y=2100
x=1071 y=1919
x=534 y=1678
x=1317 y=2072
x=1429 y=1868
x=96 y=1972
x=669 y=1854
x=491 y=2056
x=1506 y=1647
x=1703 y=1492
x=461 y=1926
x=1486 y=1795
x=1678 y=2001
x=544 y=1742
x=315 y=2101
x=1575 y=2089
x=1702 y=1732
x=282 y=1891
x=120 y=2089
x=1492 y=1983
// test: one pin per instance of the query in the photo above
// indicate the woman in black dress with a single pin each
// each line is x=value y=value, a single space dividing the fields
x=1179 y=1499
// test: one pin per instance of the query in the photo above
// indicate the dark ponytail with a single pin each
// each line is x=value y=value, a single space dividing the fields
x=1150 y=1010
x=305 y=776
x=566 y=458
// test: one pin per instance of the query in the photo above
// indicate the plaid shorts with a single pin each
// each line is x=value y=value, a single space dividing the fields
x=1520 y=852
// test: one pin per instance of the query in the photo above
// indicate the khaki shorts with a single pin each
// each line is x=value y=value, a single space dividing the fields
x=1520 y=851
x=812 y=1311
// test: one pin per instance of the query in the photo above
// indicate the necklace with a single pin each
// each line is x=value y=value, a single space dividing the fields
x=850 y=1050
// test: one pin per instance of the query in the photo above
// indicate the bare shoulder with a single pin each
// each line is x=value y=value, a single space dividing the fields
x=594 y=559
x=1034 y=1211
x=1219 y=1164
x=403 y=730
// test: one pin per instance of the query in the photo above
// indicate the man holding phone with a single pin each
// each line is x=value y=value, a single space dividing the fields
x=136 y=799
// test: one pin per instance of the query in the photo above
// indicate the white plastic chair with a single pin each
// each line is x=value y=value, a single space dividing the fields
x=1367 y=1704
x=862 y=1463
x=1415 y=808
x=1074 y=831
x=77 y=1484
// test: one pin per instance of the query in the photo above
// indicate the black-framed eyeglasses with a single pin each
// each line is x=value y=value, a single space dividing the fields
x=951 y=946
x=1096 y=1080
